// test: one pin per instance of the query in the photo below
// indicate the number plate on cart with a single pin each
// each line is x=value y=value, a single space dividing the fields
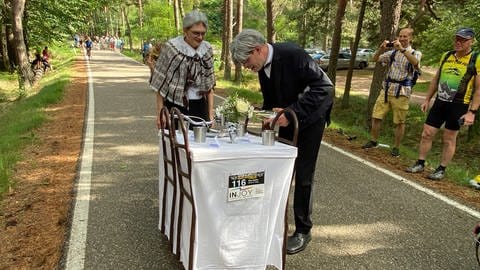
x=246 y=186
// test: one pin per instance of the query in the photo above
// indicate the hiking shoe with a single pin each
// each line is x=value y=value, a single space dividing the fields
x=437 y=175
x=415 y=168
x=370 y=144
x=395 y=152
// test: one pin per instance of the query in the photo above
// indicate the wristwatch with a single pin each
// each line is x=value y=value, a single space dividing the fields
x=473 y=111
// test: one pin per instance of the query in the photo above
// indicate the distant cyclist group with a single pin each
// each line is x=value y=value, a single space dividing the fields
x=98 y=43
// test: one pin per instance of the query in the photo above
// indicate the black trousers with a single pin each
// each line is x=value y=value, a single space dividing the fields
x=309 y=140
x=196 y=107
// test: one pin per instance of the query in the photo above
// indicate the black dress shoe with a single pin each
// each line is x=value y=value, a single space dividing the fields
x=298 y=242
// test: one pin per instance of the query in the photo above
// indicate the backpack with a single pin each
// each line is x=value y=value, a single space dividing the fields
x=471 y=70
x=404 y=82
x=416 y=73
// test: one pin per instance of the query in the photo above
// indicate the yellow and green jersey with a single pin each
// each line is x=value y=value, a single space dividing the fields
x=451 y=74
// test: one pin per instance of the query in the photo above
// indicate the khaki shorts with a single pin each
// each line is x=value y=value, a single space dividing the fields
x=398 y=105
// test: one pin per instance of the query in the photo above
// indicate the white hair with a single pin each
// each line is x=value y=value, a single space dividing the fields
x=194 y=17
x=244 y=43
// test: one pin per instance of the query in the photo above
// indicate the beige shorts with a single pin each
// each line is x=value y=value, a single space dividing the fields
x=399 y=107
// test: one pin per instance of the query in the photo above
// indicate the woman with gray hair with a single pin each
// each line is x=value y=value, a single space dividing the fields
x=183 y=76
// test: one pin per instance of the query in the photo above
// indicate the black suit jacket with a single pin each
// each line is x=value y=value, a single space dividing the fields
x=296 y=81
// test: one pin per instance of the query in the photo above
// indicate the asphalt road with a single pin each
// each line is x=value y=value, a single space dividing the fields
x=364 y=218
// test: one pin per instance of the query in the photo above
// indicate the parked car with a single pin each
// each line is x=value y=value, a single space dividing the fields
x=316 y=54
x=365 y=53
x=314 y=51
x=343 y=61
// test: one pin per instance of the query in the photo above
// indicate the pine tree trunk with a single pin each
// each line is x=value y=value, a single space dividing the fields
x=224 y=35
x=238 y=29
x=270 y=21
x=140 y=13
x=390 y=10
x=227 y=75
x=348 y=82
x=24 y=71
x=128 y=30
x=180 y=8
x=3 y=47
x=176 y=16
x=337 y=36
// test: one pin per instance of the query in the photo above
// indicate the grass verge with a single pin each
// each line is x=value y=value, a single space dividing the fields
x=21 y=117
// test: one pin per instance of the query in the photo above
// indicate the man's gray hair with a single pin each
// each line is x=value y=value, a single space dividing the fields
x=194 y=17
x=244 y=43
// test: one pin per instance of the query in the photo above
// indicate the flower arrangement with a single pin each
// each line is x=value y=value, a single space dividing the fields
x=234 y=109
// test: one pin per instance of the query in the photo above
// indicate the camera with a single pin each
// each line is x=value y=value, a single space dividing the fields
x=389 y=45
x=461 y=121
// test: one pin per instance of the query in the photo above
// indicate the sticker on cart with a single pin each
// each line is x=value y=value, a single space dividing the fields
x=246 y=186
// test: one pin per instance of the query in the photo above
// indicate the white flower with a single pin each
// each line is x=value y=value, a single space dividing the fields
x=235 y=107
x=242 y=106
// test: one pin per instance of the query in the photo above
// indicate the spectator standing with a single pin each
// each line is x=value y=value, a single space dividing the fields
x=145 y=49
x=289 y=77
x=403 y=68
x=456 y=99
x=184 y=75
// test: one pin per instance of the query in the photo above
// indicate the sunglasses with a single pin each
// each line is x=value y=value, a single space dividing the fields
x=197 y=33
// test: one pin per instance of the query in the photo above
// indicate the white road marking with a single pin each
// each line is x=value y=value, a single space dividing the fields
x=78 y=234
x=430 y=192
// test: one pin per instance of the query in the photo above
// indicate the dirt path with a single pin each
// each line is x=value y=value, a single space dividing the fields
x=35 y=212
x=363 y=79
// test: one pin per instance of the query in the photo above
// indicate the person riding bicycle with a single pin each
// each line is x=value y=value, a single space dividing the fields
x=88 y=46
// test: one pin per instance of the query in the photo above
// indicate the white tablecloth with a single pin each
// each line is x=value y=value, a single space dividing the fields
x=240 y=234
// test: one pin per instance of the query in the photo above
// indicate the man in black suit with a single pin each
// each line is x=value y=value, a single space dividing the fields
x=289 y=77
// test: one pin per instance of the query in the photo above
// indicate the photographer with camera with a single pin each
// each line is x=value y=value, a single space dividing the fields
x=403 y=69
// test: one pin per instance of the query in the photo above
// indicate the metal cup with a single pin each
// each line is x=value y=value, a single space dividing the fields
x=268 y=137
x=200 y=134
x=240 y=129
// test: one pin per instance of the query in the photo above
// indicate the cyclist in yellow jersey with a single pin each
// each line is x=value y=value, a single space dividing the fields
x=456 y=103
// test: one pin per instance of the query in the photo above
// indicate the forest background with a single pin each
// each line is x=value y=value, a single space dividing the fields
x=27 y=26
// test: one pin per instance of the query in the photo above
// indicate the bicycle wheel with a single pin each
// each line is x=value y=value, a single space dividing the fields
x=476 y=233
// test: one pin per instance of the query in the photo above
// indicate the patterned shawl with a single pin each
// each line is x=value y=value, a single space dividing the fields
x=179 y=67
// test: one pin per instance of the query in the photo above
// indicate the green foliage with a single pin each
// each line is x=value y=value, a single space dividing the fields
x=158 y=22
x=213 y=10
x=54 y=20
x=438 y=37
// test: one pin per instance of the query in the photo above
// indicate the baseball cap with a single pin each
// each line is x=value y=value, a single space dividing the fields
x=465 y=32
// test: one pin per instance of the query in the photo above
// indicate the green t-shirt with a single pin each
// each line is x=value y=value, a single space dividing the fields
x=451 y=74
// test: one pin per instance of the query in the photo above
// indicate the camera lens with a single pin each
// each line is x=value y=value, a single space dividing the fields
x=389 y=44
